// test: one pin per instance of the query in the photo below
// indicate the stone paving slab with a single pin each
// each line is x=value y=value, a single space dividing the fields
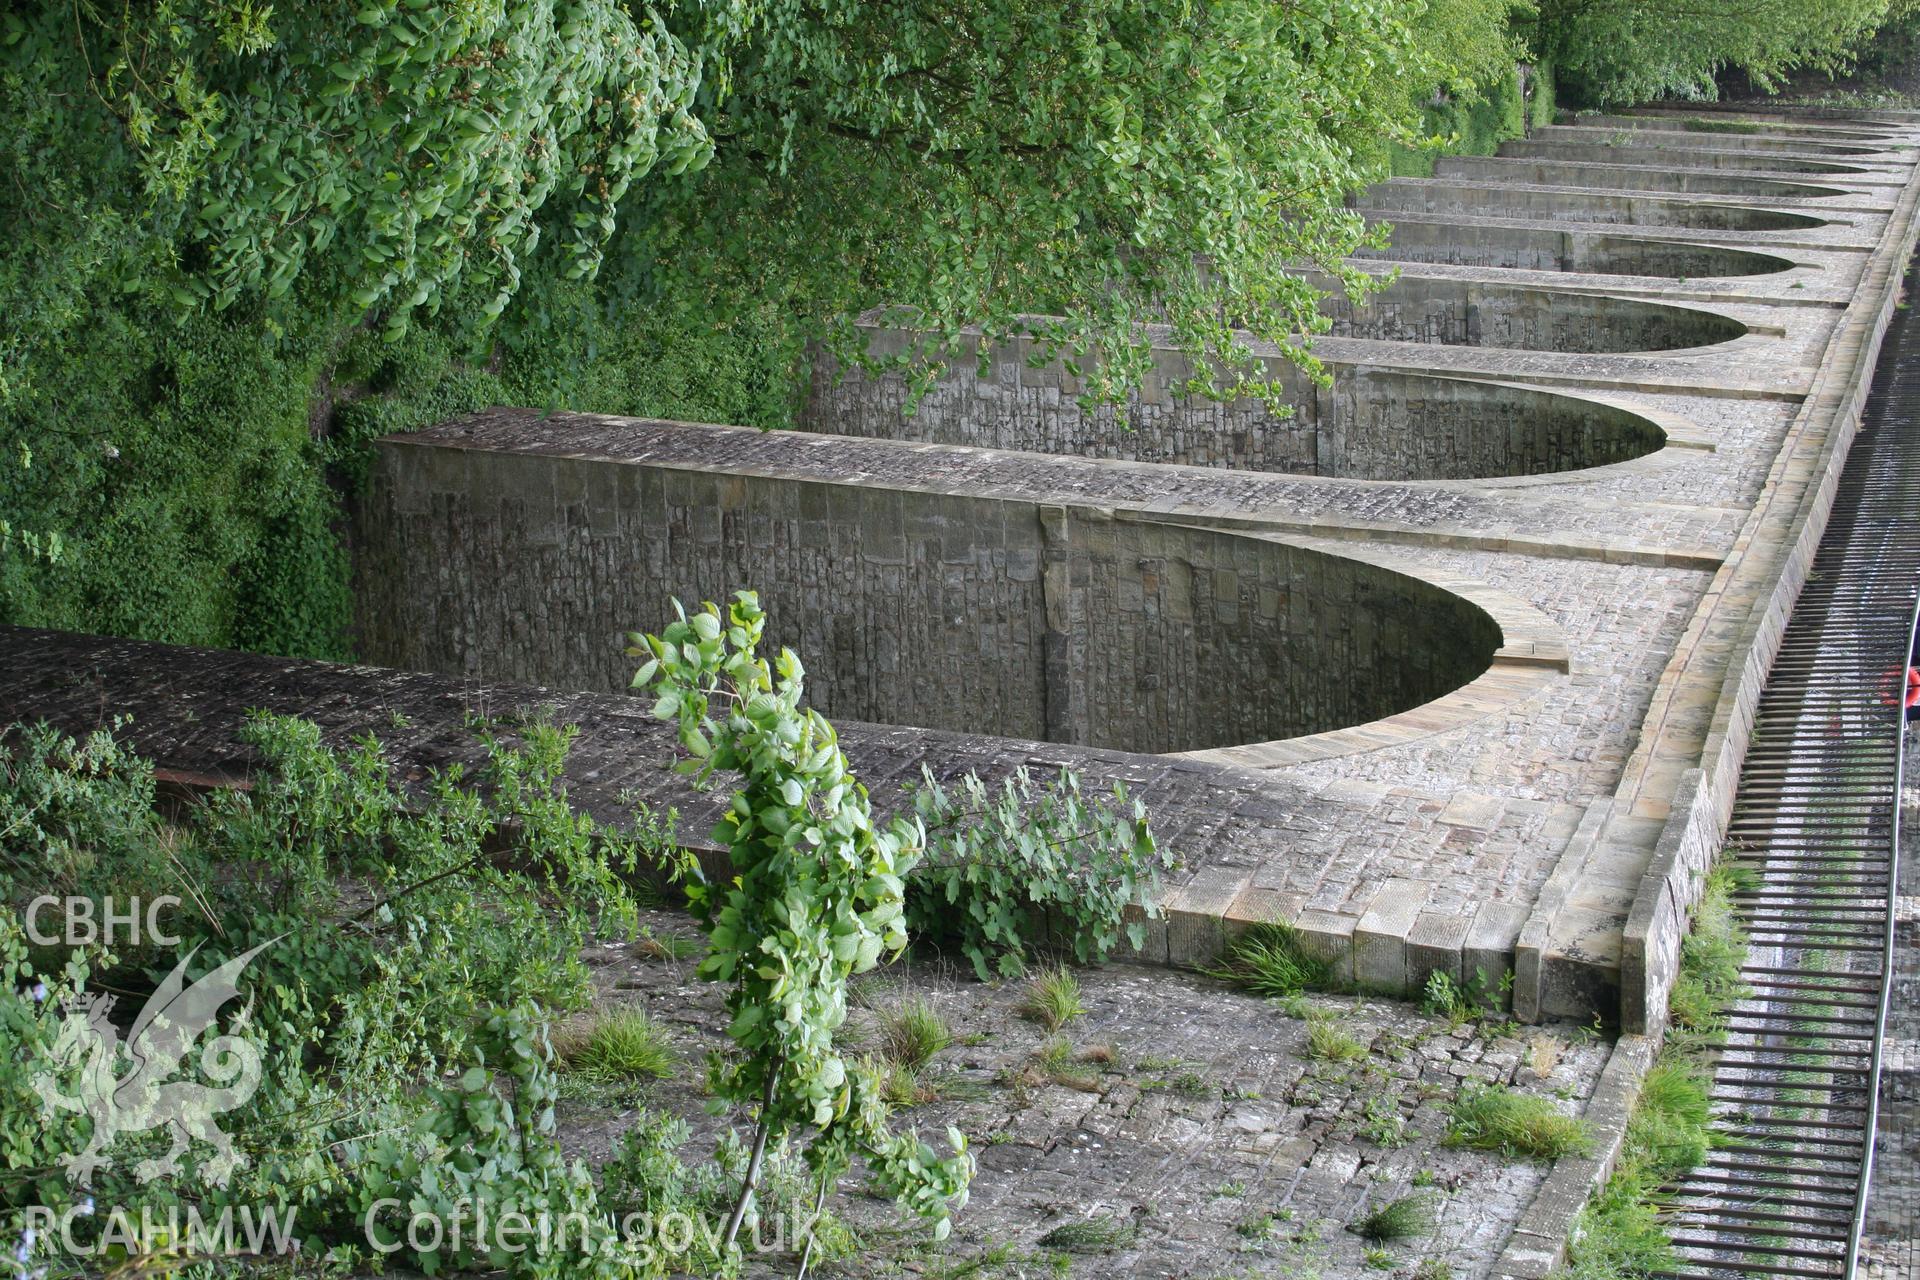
x=1196 y=1120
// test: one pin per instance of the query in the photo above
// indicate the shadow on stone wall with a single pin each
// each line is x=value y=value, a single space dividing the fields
x=1473 y=314
x=974 y=614
x=1466 y=198
x=1547 y=249
x=1371 y=424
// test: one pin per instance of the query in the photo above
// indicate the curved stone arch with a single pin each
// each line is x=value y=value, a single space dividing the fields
x=1430 y=238
x=1503 y=315
x=1593 y=205
x=1680 y=439
x=1533 y=656
x=1377 y=421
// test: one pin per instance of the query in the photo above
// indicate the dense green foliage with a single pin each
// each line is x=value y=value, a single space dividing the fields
x=817 y=895
x=1024 y=862
x=417 y=146
x=171 y=470
x=1103 y=163
x=405 y=969
x=1476 y=125
x=1624 y=51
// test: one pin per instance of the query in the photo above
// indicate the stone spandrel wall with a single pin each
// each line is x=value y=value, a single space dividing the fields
x=1546 y=249
x=945 y=612
x=907 y=608
x=1676 y=259
x=1460 y=313
x=1037 y=411
x=1489 y=200
x=1408 y=427
x=1372 y=424
x=1185 y=639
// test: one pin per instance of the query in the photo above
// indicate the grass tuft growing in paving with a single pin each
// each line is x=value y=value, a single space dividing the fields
x=625 y=1045
x=1271 y=959
x=1407 y=1218
x=1052 y=999
x=1095 y=1235
x=912 y=1033
x=1496 y=1118
x=1328 y=1041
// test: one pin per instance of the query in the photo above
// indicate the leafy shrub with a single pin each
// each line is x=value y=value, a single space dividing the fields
x=1625 y=51
x=1463 y=1002
x=77 y=812
x=415 y=945
x=1543 y=102
x=645 y=1175
x=214 y=96
x=816 y=896
x=1473 y=121
x=1496 y=1118
x=1008 y=867
x=474 y=1144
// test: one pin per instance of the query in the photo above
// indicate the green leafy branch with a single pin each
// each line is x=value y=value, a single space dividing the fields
x=817 y=895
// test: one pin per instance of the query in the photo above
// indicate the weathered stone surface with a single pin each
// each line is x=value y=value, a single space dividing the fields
x=1211 y=1133
x=942 y=611
x=1451 y=312
x=1371 y=424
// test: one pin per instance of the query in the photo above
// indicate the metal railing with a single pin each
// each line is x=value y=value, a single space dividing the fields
x=1814 y=840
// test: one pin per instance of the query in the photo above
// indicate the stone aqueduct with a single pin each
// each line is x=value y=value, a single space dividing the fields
x=1452 y=669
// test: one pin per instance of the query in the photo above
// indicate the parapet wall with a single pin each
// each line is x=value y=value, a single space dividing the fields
x=1467 y=198
x=1449 y=312
x=991 y=616
x=1372 y=424
x=1548 y=249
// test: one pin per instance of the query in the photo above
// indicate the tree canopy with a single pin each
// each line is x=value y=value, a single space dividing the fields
x=1109 y=164
x=1106 y=165
x=1623 y=51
